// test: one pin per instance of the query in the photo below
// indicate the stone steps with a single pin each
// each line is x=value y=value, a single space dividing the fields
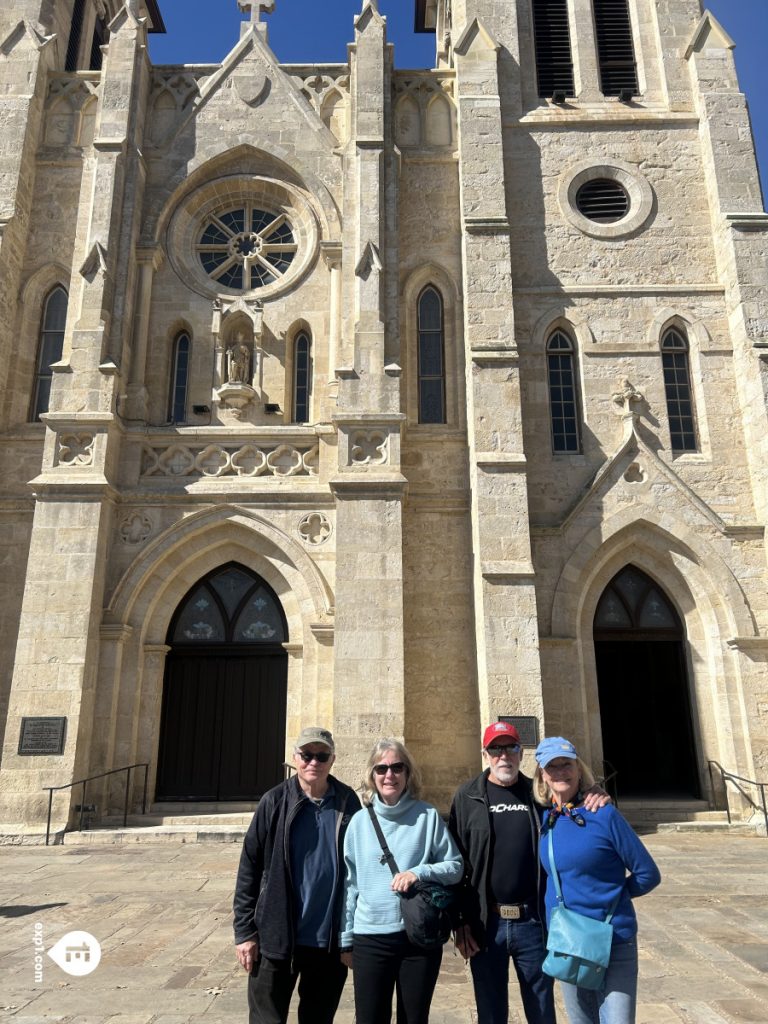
x=648 y=815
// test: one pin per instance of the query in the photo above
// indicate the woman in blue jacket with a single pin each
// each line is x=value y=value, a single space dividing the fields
x=373 y=939
x=598 y=859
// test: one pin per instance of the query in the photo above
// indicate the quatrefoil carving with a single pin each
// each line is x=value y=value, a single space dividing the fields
x=369 y=448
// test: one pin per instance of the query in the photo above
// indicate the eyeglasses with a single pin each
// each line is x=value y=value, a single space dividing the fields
x=508 y=748
x=397 y=768
x=306 y=756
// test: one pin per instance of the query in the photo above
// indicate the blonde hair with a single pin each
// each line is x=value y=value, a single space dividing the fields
x=412 y=773
x=542 y=794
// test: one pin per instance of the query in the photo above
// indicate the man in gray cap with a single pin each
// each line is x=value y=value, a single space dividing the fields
x=289 y=889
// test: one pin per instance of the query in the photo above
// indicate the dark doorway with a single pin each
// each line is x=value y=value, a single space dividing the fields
x=222 y=733
x=645 y=708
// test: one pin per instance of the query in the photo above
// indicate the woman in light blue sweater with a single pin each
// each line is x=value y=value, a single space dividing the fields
x=601 y=864
x=373 y=939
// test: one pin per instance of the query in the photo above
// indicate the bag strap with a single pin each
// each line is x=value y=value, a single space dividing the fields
x=387 y=859
x=556 y=880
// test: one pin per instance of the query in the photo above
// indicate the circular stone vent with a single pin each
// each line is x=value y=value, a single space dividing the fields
x=602 y=201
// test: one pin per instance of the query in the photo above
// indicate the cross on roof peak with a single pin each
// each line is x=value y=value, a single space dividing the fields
x=256 y=8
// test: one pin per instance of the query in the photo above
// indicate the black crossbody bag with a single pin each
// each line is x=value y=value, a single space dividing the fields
x=425 y=906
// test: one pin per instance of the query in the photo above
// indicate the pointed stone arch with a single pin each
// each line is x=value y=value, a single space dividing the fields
x=189 y=549
x=686 y=565
x=219 y=159
x=439 y=121
x=126 y=715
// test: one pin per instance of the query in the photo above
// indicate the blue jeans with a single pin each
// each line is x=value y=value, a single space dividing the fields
x=616 y=1003
x=523 y=941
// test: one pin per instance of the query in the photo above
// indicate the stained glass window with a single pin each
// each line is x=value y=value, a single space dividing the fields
x=246 y=247
x=231 y=605
x=431 y=357
x=49 y=349
x=302 y=378
x=677 y=386
x=180 y=378
x=632 y=601
x=563 y=399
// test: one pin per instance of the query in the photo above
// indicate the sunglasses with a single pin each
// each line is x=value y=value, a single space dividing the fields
x=397 y=768
x=321 y=758
x=508 y=749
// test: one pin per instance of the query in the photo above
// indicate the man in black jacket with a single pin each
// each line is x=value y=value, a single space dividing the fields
x=289 y=889
x=496 y=825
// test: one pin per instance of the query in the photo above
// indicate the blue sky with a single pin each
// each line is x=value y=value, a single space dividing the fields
x=314 y=31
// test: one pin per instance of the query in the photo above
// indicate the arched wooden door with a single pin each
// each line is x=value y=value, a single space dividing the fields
x=642 y=679
x=222 y=731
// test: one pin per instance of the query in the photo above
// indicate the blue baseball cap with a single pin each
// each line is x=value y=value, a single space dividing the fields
x=552 y=747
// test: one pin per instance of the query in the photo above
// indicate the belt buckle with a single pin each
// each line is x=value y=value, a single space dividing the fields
x=509 y=912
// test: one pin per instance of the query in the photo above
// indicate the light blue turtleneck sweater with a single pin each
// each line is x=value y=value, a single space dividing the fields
x=419 y=842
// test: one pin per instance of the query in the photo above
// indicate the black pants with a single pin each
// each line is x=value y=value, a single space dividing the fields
x=321 y=978
x=383 y=963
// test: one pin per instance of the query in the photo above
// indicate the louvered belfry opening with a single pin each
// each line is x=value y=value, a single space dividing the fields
x=554 y=65
x=602 y=200
x=615 y=50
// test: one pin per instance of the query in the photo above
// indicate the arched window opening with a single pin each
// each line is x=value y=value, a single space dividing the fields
x=563 y=397
x=633 y=603
x=302 y=377
x=554 y=64
x=431 y=357
x=615 y=49
x=677 y=386
x=99 y=38
x=49 y=349
x=180 y=378
x=230 y=606
x=75 y=32
x=640 y=658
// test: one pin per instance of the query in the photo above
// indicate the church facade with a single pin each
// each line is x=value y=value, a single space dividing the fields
x=394 y=401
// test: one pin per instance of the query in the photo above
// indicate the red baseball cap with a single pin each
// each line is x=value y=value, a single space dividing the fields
x=500 y=729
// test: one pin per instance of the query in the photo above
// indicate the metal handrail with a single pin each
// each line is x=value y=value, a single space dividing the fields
x=102 y=775
x=727 y=777
x=287 y=769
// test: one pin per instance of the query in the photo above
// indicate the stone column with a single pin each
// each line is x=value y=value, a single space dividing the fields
x=508 y=669
x=149 y=259
x=146 y=727
x=369 y=676
x=57 y=654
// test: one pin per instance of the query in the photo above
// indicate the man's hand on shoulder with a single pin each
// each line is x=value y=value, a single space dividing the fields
x=595 y=797
x=247 y=953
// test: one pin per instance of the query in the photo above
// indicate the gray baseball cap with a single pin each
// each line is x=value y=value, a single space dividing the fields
x=314 y=734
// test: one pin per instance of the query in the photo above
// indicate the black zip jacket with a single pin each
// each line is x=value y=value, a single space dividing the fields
x=263 y=904
x=470 y=826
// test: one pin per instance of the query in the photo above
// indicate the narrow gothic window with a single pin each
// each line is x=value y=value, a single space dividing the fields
x=302 y=378
x=180 y=378
x=49 y=348
x=563 y=399
x=75 y=32
x=677 y=385
x=99 y=38
x=554 y=65
x=615 y=49
x=431 y=357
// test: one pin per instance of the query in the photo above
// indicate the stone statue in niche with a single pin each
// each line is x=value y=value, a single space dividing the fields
x=238 y=361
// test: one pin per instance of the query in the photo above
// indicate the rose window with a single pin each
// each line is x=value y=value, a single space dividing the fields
x=246 y=248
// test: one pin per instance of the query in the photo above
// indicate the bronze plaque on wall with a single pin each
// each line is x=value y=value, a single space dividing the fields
x=41 y=736
x=526 y=725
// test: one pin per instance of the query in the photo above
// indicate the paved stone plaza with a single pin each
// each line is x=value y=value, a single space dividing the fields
x=162 y=916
